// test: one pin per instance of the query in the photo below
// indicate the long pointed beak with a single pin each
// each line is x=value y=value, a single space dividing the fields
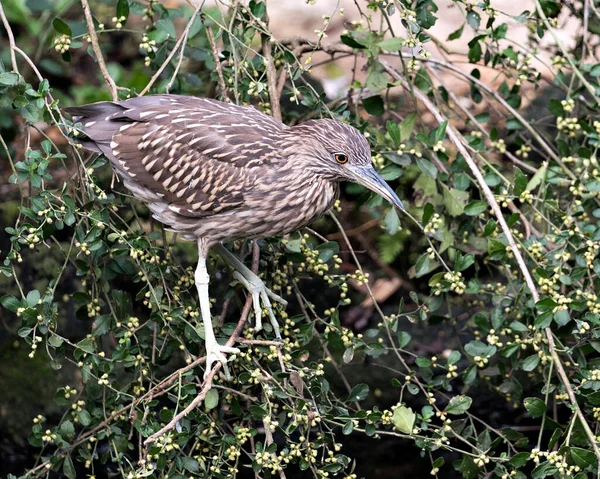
x=369 y=178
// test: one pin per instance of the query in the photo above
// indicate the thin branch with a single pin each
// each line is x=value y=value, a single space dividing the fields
x=216 y=59
x=179 y=61
x=11 y=40
x=179 y=43
x=96 y=47
x=271 y=75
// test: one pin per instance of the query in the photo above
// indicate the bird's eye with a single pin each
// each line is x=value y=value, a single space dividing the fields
x=341 y=158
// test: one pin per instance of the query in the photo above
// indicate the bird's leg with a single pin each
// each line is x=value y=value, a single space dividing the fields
x=255 y=286
x=214 y=351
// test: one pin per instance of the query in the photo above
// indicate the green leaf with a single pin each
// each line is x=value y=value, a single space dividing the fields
x=394 y=131
x=11 y=303
x=440 y=131
x=9 y=78
x=86 y=345
x=84 y=417
x=520 y=182
x=423 y=265
x=195 y=28
x=473 y=19
x=455 y=200
x=489 y=228
x=454 y=357
x=351 y=42
x=32 y=299
x=407 y=126
x=428 y=212
x=458 y=405
x=258 y=9
x=530 y=362
x=392 y=222
x=66 y=429
x=190 y=464
x=166 y=26
x=69 y=468
x=476 y=207
x=102 y=325
x=374 y=105
x=55 y=341
x=159 y=36
x=582 y=457
x=468 y=468
x=211 y=399
x=358 y=393
x=595 y=70
x=519 y=459
x=555 y=107
x=546 y=304
x=543 y=320
x=61 y=27
x=403 y=339
x=436 y=278
x=394 y=44
x=122 y=10
x=404 y=419
x=427 y=167
x=457 y=33
x=377 y=80
x=538 y=177
x=463 y=262
x=535 y=406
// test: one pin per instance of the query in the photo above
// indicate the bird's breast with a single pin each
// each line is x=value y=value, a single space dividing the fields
x=271 y=208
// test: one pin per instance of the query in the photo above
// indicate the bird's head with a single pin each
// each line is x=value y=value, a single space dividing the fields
x=337 y=152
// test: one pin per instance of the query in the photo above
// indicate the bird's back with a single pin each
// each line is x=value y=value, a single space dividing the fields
x=204 y=167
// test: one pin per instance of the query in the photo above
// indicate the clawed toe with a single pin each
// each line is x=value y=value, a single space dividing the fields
x=261 y=294
x=216 y=352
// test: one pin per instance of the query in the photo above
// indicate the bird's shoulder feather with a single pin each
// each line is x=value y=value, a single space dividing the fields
x=197 y=155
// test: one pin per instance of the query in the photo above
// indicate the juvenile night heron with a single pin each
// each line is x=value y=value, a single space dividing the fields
x=219 y=172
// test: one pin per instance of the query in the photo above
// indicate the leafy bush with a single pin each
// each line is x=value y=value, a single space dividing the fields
x=482 y=345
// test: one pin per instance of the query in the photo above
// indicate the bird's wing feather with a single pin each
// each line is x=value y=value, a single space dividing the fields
x=197 y=155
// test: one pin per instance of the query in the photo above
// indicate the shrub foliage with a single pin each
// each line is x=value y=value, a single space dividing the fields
x=483 y=358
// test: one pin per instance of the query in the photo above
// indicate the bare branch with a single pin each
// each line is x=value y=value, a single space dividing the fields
x=96 y=47
x=11 y=40
x=180 y=43
x=218 y=66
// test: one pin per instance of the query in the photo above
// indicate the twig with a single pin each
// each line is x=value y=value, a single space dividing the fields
x=455 y=137
x=271 y=74
x=260 y=342
x=96 y=47
x=11 y=40
x=218 y=66
x=180 y=60
x=173 y=51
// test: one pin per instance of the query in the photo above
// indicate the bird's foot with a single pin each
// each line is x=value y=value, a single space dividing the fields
x=260 y=293
x=216 y=352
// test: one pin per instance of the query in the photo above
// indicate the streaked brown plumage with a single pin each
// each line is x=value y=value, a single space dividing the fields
x=218 y=172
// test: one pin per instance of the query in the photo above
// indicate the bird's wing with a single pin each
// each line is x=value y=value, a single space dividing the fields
x=197 y=155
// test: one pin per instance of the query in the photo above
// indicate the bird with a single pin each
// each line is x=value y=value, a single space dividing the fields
x=216 y=172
